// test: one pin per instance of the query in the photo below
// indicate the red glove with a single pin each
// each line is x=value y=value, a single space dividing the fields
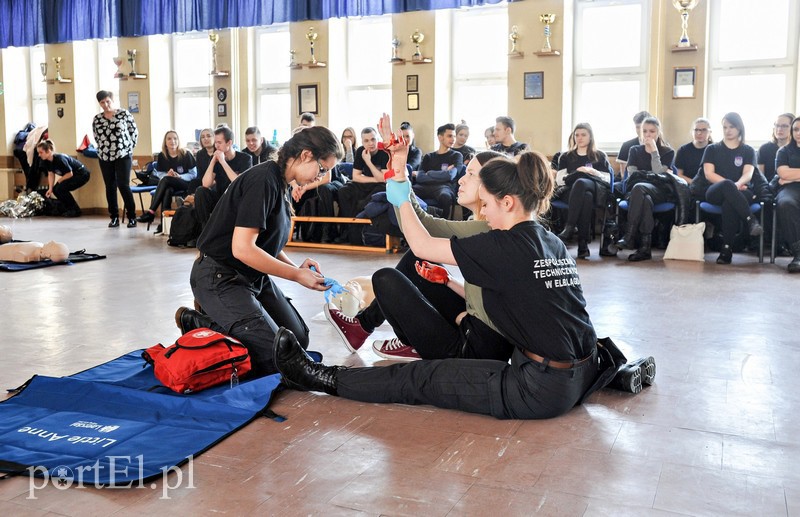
x=432 y=272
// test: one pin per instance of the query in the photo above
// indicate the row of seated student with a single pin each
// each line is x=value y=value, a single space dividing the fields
x=729 y=174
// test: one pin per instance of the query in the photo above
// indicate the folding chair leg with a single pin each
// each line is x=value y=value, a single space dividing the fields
x=773 y=248
x=761 y=238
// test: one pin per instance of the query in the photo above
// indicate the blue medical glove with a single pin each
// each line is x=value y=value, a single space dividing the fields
x=398 y=192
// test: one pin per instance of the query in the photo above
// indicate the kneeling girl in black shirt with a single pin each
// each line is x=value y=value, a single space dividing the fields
x=241 y=249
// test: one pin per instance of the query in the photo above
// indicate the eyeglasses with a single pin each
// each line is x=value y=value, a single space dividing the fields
x=322 y=170
x=781 y=126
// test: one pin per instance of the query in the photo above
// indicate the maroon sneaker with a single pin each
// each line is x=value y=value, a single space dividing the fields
x=349 y=329
x=394 y=349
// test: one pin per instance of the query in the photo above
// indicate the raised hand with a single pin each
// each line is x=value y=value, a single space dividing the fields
x=433 y=273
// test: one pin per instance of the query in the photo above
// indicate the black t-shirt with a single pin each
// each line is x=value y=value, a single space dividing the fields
x=414 y=157
x=625 y=149
x=531 y=289
x=380 y=160
x=689 y=159
x=240 y=163
x=766 y=156
x=257 y=199
x=62 y=164
x=572 y=160
x=179 y=164
x=439 y=162
x=788 y=155
x=640 y=158
x=466 y=151
x=729 y=163
x=511 y=150
x=202 y=158
x=266 y=151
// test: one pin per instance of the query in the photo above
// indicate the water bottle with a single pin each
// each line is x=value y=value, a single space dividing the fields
x=274 y=141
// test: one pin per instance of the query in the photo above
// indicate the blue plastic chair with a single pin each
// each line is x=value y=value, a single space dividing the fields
x=755 y=208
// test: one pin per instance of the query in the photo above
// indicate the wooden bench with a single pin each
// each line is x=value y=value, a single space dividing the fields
x=392 y=242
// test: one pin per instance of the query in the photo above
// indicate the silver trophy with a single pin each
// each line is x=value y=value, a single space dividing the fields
x=395 y=45
x=118 y=74
x=43 y=68
x=132 y=61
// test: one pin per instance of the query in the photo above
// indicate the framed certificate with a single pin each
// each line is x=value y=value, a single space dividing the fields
x=533 y=87
x=683 y=83
x=308 y=98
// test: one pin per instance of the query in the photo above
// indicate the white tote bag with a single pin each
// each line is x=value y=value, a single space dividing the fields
x=686 y=242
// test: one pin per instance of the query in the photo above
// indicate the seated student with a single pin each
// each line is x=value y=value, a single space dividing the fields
x=726 y=181
x=64 y=174
x=780 y=137
x=462 y=135
x=202 y=157
x=224 y=167
x=257 y=147
x=504 y=138
x=689 y=156
x=437 y=171
x=307 y=120
x=586 y=185
x=175 y=168
x=489 y=136
x=348 y=141
x=449 y=299
x=414 y=153
x=555 y=356
x=788 y=198
x=653 y=155
x=368 y=168
x=622 y=156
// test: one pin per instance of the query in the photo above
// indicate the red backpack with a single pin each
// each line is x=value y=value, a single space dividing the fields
x=200 y=359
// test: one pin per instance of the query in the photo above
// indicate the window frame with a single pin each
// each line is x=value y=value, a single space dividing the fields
x=273 y=88
x=186 y=92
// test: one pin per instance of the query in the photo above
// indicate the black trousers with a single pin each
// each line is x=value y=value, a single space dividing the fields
x=581 y=200
x=117 y=176
x=522 y=389
x=63 y=190
x=205 y=199
x=421 y=325
x=735 y=205
x=167 y=187
x=642 y=198
x=447 y=303
x=252 y=312
x=353 y=197
x=788 y=211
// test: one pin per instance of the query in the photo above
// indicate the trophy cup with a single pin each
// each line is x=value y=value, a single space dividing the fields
x=118 y=74
x=43 y=68
x=292 y=64
x=417 y=38
x=213 y=37
x=57 y=61
x=395 y=45
x=132 y=61
x=547 y=19
x=514 y=37
x=684 y=6
x=311 y=36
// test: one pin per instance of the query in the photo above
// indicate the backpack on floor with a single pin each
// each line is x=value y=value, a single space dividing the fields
x=185 y=228
x=200 y=359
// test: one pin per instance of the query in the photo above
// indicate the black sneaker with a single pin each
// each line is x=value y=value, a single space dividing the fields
x=131 y=223
x=725 y=255
x=755 y=228
x=114 y=222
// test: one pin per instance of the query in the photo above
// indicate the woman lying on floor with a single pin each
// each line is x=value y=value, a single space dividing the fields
x=556 y=361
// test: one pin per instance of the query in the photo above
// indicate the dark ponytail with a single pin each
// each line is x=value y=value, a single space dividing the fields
x=318 y=139
x=529 y=179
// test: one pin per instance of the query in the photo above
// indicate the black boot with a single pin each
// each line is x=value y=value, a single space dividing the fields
x=583 y=249
x=753 y=227
x=566 y=233
x=188 y=319
x=298 y=370
x=635 y=374
x=114 y=222
x=725 y=255
x=627 y=241
x=794 y=265
x=643 y=253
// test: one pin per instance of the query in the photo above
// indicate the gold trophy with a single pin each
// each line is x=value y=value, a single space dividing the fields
x=57 y=61
x=547 y=19
x=213 y=37
x=417 y=38
x=118 y=74
x=311 y=36
x=43 y=68
x=132 y=61
x=684 y=6
x=514 y=37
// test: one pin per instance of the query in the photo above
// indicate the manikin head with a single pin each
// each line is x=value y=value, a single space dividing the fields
x=55 y=251
x=6 y=235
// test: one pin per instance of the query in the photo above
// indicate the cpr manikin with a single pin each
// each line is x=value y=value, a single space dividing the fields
x=25 y=252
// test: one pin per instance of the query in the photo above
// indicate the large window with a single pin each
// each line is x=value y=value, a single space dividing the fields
x=369 y=74
x=273 y=97
x=107 y=51
x=39 y=86
x=611 y=67
x=480 y=78
x=753 y=72
x=192 y=100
